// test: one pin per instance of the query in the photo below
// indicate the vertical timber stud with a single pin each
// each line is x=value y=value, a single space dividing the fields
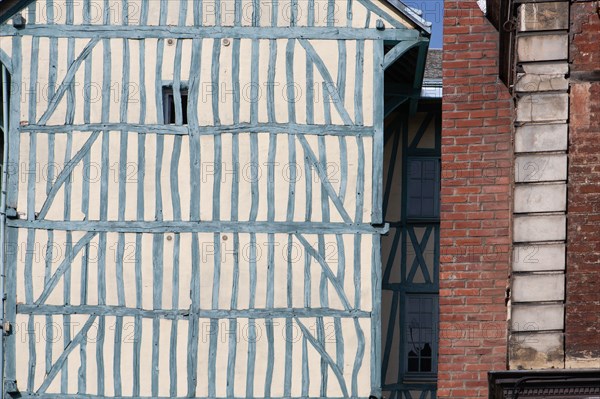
x=378 y=113
x=3 y=247
x=11 y=202
x=377 y=215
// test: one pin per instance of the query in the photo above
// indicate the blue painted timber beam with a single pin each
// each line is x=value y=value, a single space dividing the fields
x=279 y=128
x=215 y=32
x=201 y=227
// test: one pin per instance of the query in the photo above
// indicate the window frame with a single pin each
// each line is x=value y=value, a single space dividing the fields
x=168 y=102
x=435 y=215
x=420 y=376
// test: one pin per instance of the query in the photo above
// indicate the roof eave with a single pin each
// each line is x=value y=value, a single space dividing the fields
x=8 y=8
x=412 y=15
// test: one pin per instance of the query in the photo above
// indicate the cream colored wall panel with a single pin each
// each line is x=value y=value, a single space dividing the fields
x=165 y=178
x=150 y=180
x=350 y=86
x=227 y=178
x=207 y=268
x=41 y=93
x=299 y=76
x=132 y=168
x=79 y=85
x=184 y=178
x=115 y=49
x=280 y=83
x=135 y=86
x=263 y=69
x=97 y=58
x=153 y=14
x=281 y=179
x=206 y=116
x=150 y=57
x=185 y=270
x=368 y=94
x=243 y=300
x=147 y=277
x=21 y=165
x=244 y=78
x=316 y=181
x=263 y=179
x=240 y=383
x=26 y=87
x=368 y=189
x=359 y=16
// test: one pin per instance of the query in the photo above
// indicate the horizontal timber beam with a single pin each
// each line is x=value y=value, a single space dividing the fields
x=280 y=128
x=178 y=314
x=201 y=227
x=215 y=32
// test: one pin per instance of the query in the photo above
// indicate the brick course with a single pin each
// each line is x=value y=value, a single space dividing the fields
x=476 y=206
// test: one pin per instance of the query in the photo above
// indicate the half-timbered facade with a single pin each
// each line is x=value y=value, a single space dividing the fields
x=192 y=196
x=410 y=251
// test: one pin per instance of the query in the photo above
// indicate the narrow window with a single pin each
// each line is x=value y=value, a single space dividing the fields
x=423 y=188
x=170 y=106
x=420 y=333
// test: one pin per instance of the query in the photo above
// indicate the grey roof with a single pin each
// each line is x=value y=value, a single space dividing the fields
x=433 y=66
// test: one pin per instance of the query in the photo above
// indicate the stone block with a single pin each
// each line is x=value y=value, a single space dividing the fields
x=543 y=16
x=539 y=138
x=540 y=198
x=538 y=257
x=547 y=68
x=537 y=317
x=538 y=287
x=578 y=362
x=552 y=47
x=543 y=107
x=540 y=168
x=528 y=82
x=536 y=350
x=539 y=228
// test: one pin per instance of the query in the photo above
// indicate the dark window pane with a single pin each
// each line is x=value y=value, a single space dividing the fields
x=184 y=106
x=413 y=362
x=423 y=187
x=420 y=333
x=171 y=105
x=170 y=113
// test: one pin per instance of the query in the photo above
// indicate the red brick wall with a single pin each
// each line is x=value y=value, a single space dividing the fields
x=583 y=239
x=476 y=205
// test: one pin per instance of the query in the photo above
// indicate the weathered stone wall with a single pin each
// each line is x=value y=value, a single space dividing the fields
x=540 y=191
x=582 y=340
x=476 y=206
